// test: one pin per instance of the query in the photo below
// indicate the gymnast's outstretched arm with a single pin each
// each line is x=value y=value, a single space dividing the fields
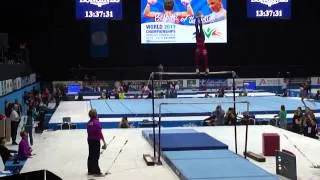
x=196 y=25
x=200 y=24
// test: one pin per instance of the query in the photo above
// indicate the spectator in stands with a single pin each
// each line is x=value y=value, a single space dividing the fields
x=246 y=119
x=103 y=96
x=162 y=95
x=150 y=95
x=285 y=87
x=144 y=90
x=15 y=121
x=41 y=114
x=283 y=117
x=230 y=117
x=217 y=117
x=31 y=116
x=28 y=97
x=58 y=96
x=25 y=97
x=117 y=89
x=7 y=108
x=80 y=97
x=125 y=87
x=285 y=93
x=297 y=121
x=303 y=93
x=245 y=89
x=24 y=53
x=45 y=96
x=308 y=87
x=176 y=86
x=121 y=94
x=24 y=151
x=317 y=96
x=94 y=136
x=309 y=124
x=16 y=102
x=124 y=123
x=37 y=100
x=210 y=121
x=5 y=152
x=221 y=92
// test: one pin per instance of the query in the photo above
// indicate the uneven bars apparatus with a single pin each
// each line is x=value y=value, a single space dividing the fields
x=159 y=122
x=233 y=73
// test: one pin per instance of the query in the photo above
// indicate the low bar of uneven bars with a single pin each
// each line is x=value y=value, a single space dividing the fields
x=244 y=102
x=194 y=73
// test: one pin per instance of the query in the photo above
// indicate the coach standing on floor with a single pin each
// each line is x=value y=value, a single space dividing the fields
x=15 y=121
x=94 y=137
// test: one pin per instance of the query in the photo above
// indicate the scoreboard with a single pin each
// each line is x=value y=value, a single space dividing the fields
x=276 y=9
x=99 y=9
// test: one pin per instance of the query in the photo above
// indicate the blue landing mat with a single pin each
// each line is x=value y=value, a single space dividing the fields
x=147 y=132
x=214 y=164
x=188 y=141
x=202 y=154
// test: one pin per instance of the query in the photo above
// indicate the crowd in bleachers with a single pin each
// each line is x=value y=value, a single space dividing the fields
x=304 y=122
x=120 y=89
x=11 y=56
x=25 y=118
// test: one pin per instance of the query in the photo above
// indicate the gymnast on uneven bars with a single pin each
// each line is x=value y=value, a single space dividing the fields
x=201 y=50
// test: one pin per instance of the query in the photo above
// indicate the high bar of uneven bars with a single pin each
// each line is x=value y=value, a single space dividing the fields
x=194 y=73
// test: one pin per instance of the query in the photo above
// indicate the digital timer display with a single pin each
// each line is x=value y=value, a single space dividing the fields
x=99 y=9
x=277 y=9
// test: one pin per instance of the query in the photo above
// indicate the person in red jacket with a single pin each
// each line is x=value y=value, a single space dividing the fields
x=201 y=50
x=94 y=131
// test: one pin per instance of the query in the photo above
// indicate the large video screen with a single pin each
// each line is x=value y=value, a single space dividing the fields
x=99 y=9
x=173 y=21
x=273 y=9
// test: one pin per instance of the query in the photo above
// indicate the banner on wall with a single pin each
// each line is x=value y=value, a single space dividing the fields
x=4 y=87
x=270 y=82
x=14 y=84
x=10 y=85
x=315 y=81
x=213 y=83
x=32 y=78
x=18 y=82
x=7 y=87
x=260 y=82
x=0 y=88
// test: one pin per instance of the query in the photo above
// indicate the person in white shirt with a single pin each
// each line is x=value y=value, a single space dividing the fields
x=15 y=121
x=219 y=13
x=144 y=90
x=176 y=86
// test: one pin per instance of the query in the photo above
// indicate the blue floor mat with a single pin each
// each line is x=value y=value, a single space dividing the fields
x=188 y=141
x=219 y=168
x=201 y=154
x=214 y=164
